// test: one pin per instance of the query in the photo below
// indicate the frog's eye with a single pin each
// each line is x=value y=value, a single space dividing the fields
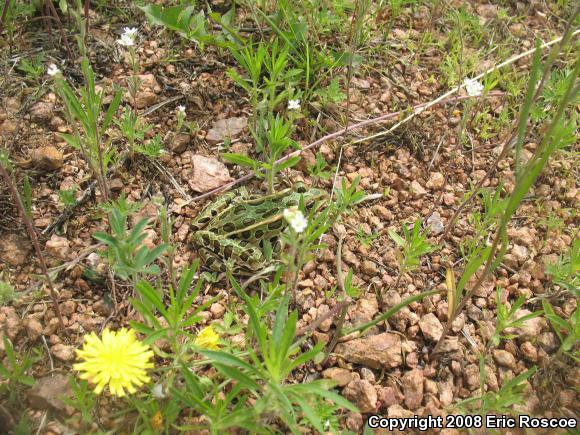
x=300 y=187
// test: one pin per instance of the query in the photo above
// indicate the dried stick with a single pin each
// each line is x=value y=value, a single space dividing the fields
x=32 y=234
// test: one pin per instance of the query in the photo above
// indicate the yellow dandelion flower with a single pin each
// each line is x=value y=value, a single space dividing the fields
x=118 y=359
x=208 y=338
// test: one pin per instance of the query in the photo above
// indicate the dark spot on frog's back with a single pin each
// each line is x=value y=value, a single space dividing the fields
x=270 y=213
x=202 y=222
x=276 y=225
x=228 y=251
x=245 y=255
x=259 y=234
x=246 y=234
x=229 y=227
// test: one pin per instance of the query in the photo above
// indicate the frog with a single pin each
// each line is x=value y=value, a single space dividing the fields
x=234 y=232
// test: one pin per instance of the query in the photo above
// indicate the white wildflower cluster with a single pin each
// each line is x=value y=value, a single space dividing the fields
x=293 y=104
x=473 y=87
x=128 y=37
x=296 y=219
x=181 y=110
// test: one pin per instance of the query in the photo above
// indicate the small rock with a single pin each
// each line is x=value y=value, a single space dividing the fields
x=436 y=181
x=116 y=185
x=446 y=392
x=14 y=249
x=397 y=411
x=389 y=396
x=384 y=213
x=103 y=308
x=47 y=158
x=504 y=358
x=364 y=310
x=369 y=268
x=179 y=143
x=435 y=222
x=520 y=253
x=145 y=99
x=430 y=387
x=94 y=259
x=530 y=329
x=367 y=375
x=471 y=376
x=487 y=11
x=341 y=376
x=529 y=351
x=307 y=160
x=41 y=112
x=12 y=323
x=68 y=307
x=413 y=388
x=431 y=327
x=63 y=352
x=217 y=310
x=242 y=148
x=417 y=190
x=350 y=258
x=377 y=351
x=58 y=246
x=208 y=173
x=47 y=393
x=33 y=328
x=354 y=421
x=226 y=129
x=548 y=341
x=362 y=394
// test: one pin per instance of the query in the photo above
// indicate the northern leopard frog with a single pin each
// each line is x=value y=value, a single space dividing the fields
x=234 y=231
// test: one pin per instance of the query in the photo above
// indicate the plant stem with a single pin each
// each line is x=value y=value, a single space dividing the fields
x=33 y=237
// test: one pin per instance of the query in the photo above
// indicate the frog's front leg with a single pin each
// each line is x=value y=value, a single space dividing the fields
x=219 y=252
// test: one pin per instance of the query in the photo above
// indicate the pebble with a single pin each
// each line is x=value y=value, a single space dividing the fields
x=431 y=327
x=413 y=388
x=362 y=394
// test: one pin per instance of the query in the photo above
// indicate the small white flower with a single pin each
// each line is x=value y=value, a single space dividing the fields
x=128 y=37
x=52 y=70
x=157 y=392
x=293 y=104
x=473 y=87
x=181 y=109
x=126 y=40
x=296 y=219
x=130 y=31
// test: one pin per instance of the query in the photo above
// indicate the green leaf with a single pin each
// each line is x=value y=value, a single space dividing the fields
x=148 y=292
x=239 y=159
x=396 y=238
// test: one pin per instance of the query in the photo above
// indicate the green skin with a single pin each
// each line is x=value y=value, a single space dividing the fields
x=232 y=231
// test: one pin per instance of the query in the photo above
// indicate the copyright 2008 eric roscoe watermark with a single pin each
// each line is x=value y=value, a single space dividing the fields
x=470 y=422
